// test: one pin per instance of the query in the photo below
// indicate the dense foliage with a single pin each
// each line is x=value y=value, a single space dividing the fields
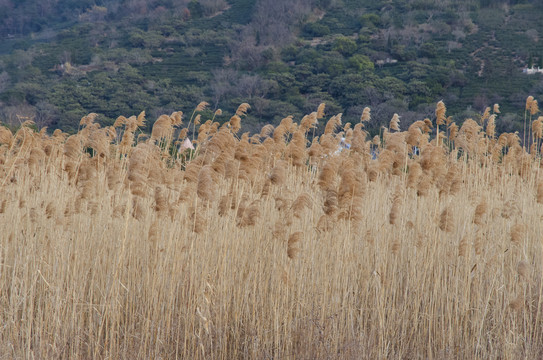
x=61 y=59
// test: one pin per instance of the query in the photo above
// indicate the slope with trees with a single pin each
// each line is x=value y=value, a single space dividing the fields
x=61 y=59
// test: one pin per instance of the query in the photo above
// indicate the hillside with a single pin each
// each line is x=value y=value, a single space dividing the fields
x=62 y=59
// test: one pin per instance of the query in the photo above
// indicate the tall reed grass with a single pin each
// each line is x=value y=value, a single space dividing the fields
x=115 y=245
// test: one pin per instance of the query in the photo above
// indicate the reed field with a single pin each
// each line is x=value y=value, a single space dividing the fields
x=416 y=244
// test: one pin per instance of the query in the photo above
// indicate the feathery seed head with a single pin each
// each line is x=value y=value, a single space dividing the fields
x=202 y=106
x=517 y=233
x=320 y=111
x=523 y=269
x=366 y=115
x=529 y=101
x=394 y=123
x=440 y=113
x=534 y=108
x=242 y=109
x=292 y=248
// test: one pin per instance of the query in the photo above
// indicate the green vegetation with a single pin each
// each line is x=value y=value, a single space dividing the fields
x=62 y=59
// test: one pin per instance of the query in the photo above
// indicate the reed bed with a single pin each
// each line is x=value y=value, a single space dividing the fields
x=424 y=243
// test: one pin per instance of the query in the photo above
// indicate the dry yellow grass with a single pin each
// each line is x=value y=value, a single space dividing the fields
x=265 y=247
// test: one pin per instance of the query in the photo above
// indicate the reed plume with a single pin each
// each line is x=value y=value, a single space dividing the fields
x=523 y=269
x=266 y=130
x=197 y=220
x=517 y=303
x=292 y=244
x=250 y=215
x=139 y=211
x=491 y=126
x=88 y=120
x=235 y=123
x=202 y=106
x=486 y=115
x=394 y=123
x=205 y=187
x=320 y=111
x=463 y=247
x=162 y=128
x=440 y=113
x=534 y=107
x=5 y=135
x=366 y=115
x=242 y=109
x=413 y=176
x=327 y=175
x=324 y=223
x=537 y=128
x=539 y=192
x=303 y=201
x=518 y=232
x=394 y=211
x=331 y=203
x=332 y=124
x=480 y=211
